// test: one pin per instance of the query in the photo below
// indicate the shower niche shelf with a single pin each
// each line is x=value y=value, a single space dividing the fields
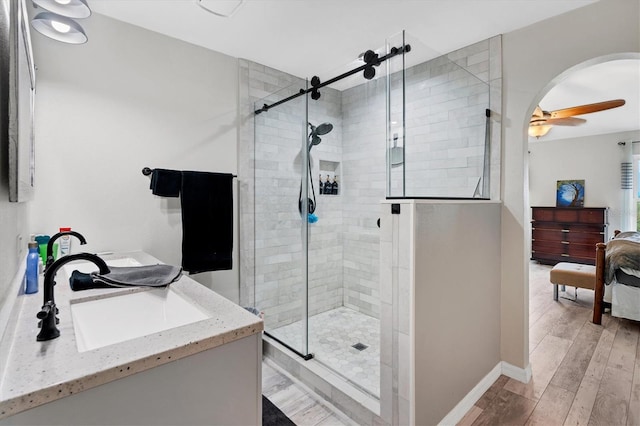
x=330 y=172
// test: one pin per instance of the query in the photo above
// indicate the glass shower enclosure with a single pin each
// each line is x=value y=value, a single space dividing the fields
x=322 y=165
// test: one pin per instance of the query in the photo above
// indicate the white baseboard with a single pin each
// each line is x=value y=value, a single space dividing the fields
x=520 y=374
x=459 y=411
x=472 y=397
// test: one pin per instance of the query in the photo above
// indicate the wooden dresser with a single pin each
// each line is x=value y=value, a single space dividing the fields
x=565 y=234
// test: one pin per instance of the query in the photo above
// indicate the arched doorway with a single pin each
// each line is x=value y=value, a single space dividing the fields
x=557 y=329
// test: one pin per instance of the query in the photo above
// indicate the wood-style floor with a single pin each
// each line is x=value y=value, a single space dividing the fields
x=582 y=373
x=297 y=401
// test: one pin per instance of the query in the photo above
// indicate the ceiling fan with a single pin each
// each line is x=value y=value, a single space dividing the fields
x=542 y=121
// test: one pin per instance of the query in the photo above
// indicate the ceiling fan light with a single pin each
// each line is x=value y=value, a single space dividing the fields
x=221 y=8
x=59 y=28
x=77 y=9
x=537 y=130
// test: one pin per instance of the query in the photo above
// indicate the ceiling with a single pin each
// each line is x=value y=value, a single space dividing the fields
x=312 y=37
x=322 y=37
x=597 y=83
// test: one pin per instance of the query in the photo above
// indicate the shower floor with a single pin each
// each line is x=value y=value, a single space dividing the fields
x=332 y=335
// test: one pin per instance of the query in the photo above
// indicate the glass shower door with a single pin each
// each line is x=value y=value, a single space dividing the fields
x=281 y=194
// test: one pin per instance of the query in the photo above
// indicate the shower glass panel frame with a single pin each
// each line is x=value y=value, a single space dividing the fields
x=280 y=229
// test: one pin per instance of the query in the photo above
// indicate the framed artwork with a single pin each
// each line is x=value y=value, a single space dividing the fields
x=570 y=193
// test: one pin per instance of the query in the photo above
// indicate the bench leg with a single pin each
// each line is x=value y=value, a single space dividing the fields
x=563 y=288
x=555 y=292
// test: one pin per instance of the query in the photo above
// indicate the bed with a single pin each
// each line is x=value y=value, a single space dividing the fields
x=618 y=277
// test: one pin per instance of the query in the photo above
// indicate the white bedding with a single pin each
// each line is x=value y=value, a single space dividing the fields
x=624 y=299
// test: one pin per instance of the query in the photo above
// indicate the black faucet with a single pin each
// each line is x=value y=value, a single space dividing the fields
x=48 y=312
x=55 y=237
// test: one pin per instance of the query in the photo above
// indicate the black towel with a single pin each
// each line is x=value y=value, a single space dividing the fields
x=166 y=183
x=207 y=221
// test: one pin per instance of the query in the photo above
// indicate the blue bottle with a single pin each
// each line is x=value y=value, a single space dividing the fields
x=32 y=268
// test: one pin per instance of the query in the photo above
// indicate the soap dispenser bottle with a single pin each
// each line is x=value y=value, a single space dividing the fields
x=65 y=243
x=32 y=268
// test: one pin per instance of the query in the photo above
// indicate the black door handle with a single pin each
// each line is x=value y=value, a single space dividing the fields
x=378 y=222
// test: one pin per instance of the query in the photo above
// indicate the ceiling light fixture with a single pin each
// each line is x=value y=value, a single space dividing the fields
x=78 y=9
x=537 y=130
x=221 y=8
x=59 y=28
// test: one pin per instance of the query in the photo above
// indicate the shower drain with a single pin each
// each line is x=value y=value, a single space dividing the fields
x=360 y=346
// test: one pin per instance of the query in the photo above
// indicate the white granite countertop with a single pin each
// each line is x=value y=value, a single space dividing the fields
x=39 y=372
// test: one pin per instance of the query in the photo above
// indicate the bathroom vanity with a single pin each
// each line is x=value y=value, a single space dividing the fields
x=205 y=369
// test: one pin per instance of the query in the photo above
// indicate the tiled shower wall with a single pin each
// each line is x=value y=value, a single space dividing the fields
x=445 y=114
x=364 y=162
x=445 y=143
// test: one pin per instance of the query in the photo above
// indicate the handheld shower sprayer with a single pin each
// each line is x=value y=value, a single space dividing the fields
x=314 y=139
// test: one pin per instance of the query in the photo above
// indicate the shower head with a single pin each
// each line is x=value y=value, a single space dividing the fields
x=322 y=129
x=316 y=132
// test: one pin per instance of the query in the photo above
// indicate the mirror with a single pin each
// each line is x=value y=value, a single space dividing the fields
x=21 y=98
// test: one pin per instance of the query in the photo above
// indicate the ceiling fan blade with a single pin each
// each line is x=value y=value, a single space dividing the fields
x=586 y=109
x=567 y=121
x=538 y=112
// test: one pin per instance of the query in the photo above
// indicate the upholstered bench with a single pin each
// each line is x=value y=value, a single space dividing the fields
x=572 y=274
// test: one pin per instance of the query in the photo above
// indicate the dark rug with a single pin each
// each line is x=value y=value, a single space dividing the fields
x=272 y=416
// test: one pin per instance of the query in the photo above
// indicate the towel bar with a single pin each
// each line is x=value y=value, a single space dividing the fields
x=147 y=171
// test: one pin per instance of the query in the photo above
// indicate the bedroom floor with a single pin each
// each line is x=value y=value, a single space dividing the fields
x=582 y=373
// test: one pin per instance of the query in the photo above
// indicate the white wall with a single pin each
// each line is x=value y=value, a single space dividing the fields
x=127 y=99
x=608 y=28
x=14 y=235
x=596 y=159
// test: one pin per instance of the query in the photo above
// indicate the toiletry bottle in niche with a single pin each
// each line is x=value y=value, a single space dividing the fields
x=334 y=187
x=327 y=185
x=32 y=268
x=65 y=243
x=320 y=185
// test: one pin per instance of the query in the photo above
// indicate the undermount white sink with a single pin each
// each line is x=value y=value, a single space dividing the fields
x=116 y=318
x=124 y=315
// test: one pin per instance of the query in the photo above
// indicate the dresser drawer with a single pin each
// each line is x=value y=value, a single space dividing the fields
x=538 y=234
x=581 y=250
x=566 y=216
x=548 y=247
x=543 y=214
x=584 y=237
x=547 y=225
x=591 y=216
